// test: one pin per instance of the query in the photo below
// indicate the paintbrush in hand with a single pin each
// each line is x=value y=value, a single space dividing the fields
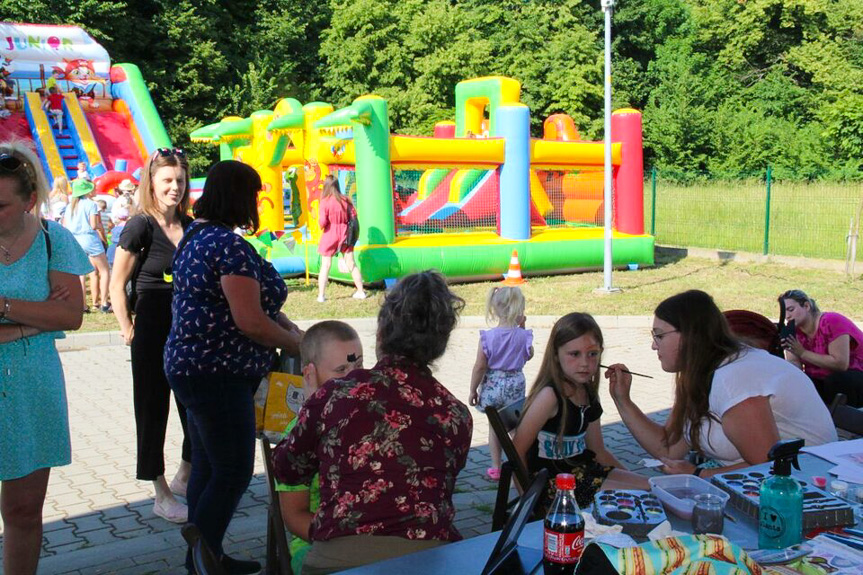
x=629 y=372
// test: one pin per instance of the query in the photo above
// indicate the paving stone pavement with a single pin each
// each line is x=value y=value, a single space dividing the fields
x=99 y=519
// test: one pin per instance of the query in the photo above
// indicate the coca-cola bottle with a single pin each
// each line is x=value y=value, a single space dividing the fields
x=563 y=539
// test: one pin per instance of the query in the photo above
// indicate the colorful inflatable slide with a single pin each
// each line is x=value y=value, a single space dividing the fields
x=459 y=201
x=109 y=120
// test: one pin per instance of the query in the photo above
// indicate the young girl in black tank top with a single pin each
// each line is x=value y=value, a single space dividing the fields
x=559 y=429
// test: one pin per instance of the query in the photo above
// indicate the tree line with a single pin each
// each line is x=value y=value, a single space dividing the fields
x=726 y=87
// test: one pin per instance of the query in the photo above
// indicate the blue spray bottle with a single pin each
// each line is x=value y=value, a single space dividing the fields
x=780 y=515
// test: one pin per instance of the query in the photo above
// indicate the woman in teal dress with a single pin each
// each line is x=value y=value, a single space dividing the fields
x=40 y=296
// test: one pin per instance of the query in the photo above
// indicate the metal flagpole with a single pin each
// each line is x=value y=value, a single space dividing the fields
x=608 y=8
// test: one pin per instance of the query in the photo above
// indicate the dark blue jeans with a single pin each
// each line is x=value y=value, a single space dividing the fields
x=221 y=419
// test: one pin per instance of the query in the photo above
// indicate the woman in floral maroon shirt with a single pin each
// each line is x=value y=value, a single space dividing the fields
x=388 y=442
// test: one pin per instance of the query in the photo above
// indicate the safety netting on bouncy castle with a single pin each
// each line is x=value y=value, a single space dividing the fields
x=446 y=200
x=567 y=198
x=347 y=177
x=442 y=200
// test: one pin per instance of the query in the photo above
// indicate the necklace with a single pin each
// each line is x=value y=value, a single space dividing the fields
x=7 y=252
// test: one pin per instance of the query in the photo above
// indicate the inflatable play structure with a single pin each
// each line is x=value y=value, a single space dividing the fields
x=109 y=120
x=459 y=201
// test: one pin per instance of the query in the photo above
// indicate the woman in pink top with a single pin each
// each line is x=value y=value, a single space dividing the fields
x=334 y=212
x=826 y=345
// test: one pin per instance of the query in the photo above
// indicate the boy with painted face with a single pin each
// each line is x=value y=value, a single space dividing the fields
x=329 y=350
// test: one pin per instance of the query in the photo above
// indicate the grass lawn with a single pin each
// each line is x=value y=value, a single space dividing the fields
x=805 y=219
x=734 y=285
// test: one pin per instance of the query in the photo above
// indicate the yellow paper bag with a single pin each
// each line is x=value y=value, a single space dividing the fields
x=284 y=398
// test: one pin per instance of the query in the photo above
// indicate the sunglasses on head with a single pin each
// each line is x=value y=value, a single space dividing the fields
x=10 y=163
x=167 y=152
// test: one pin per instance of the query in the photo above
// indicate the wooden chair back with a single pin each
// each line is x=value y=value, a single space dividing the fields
x=278 y=552
x=502 y=421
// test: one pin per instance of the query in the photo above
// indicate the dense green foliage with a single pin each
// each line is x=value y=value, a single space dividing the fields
x=726 y=86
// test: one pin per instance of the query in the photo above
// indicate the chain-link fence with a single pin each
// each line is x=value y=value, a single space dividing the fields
x=760 y=215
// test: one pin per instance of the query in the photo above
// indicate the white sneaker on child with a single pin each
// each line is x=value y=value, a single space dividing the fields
x=359 y=295
x=321 y=299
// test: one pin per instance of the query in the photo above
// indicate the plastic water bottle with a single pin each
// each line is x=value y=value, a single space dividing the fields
x=563 y=537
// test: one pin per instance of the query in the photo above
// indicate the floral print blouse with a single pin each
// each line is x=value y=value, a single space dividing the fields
x=388 y=443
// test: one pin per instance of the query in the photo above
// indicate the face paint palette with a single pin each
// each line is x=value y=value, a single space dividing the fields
x=638 y=512
x=820 y=509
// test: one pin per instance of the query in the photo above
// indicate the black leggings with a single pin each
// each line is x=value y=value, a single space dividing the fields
x=152 y=395
x=849 y=382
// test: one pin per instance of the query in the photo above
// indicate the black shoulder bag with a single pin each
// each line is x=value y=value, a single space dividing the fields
x=45 y=233
x=131 y=291
x=352 y=234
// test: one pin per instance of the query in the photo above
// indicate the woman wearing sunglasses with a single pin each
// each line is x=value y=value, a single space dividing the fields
x=145 y=250
x=731 y=402
x=40 y=295
x=226 y=325
x=826 y=345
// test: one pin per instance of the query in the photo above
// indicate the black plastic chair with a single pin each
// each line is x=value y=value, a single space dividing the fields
x=278 y=552
x=202 y=556
x=845 y=417
x=502 y=421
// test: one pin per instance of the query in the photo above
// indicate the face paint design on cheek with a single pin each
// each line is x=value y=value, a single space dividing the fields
x=352 y=357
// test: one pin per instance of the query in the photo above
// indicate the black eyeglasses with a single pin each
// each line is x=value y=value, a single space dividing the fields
x=10 y=163
x=167 y=152
x=657 y=337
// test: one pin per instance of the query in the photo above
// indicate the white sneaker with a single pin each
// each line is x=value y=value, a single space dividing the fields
x=359 y=295
x=321 y=299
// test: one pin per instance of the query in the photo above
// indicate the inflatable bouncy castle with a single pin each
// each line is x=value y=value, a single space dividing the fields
x=109 y=120
x=459 y=201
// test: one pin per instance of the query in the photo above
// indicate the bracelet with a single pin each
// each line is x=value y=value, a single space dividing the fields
x=6 y=307
x=21 y=327
x=697 y=472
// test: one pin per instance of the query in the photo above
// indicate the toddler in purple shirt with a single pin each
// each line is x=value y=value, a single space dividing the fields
x=497 y=378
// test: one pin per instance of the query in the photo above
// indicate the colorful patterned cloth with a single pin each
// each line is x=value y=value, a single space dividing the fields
x=687 y=555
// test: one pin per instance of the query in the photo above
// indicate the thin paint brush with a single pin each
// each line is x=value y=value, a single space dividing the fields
x=629 y=372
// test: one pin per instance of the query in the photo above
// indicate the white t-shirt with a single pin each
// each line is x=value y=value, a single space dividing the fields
x=797 y=408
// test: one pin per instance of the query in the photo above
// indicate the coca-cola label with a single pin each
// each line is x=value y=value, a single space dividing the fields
x=563 y=547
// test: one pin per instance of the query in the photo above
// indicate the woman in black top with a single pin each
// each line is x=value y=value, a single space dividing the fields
x=145 y=252
x=559 y=428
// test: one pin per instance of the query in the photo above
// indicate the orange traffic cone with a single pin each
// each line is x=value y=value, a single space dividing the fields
x=513 y=276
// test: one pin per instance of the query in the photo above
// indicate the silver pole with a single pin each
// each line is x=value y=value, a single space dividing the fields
x=608 y=8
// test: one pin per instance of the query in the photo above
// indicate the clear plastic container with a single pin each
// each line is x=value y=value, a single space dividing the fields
x=677 y=492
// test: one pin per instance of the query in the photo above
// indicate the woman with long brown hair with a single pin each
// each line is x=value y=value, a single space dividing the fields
x=560 y=429
x=145 y=251
x=731 y=402
x=334 y=212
